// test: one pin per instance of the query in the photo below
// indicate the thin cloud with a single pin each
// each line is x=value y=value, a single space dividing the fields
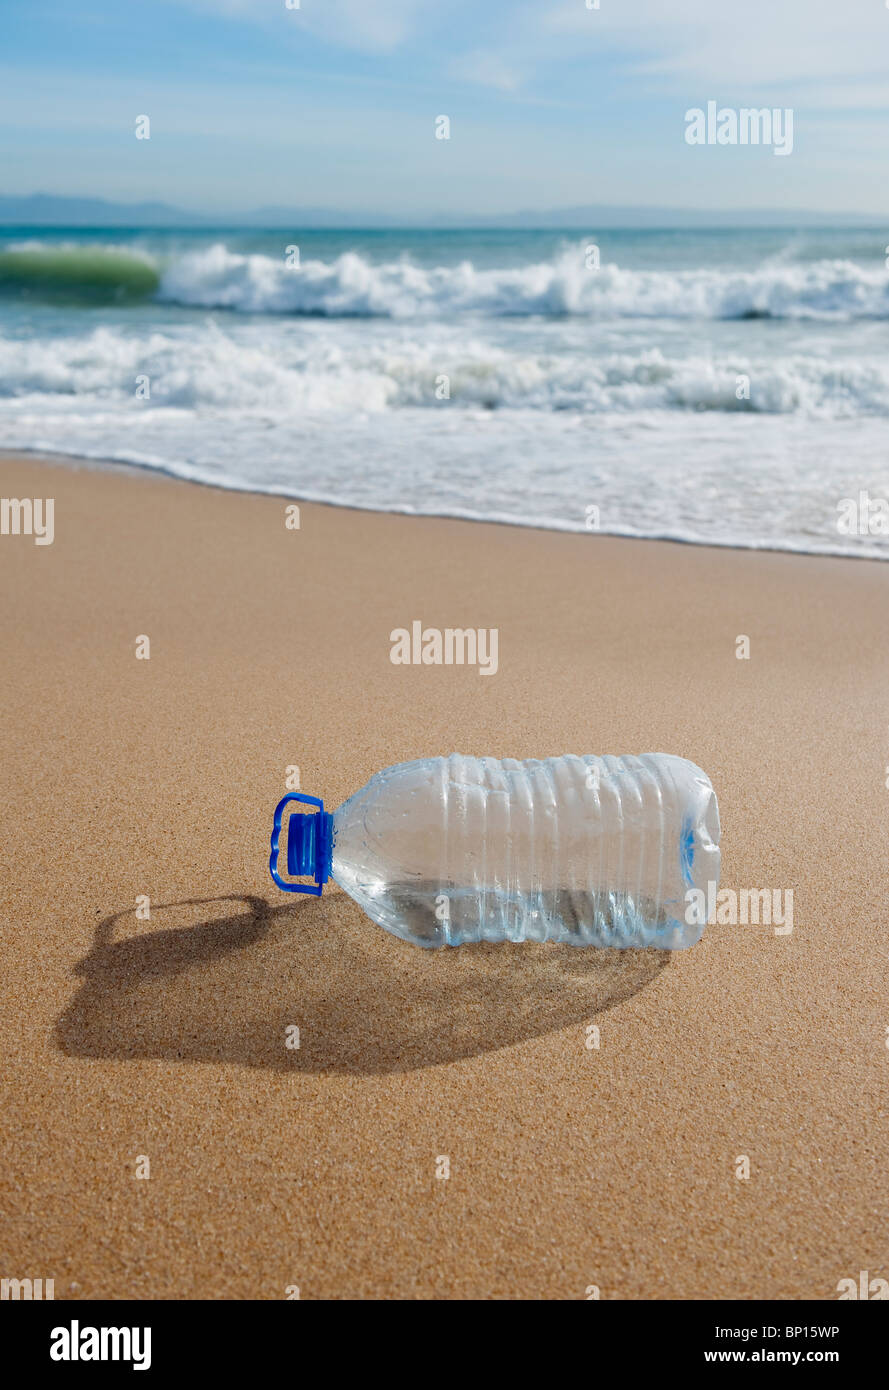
x=377 y=26
x=486 y=69
x=756 y=44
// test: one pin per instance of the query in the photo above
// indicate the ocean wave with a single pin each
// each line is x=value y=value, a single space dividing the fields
x=206 y=368
x=80 y=275
x=350 y=286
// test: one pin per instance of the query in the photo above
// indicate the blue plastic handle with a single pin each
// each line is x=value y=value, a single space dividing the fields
x=309 y=845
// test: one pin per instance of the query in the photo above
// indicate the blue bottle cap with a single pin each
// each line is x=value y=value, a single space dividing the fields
x=309 y=844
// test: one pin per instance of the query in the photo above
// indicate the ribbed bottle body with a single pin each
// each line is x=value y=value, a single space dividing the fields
x=584 y=850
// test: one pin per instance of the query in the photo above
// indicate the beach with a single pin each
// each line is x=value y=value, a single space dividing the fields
x=580 y=1164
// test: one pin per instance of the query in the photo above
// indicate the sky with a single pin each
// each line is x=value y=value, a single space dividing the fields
x=333 y=103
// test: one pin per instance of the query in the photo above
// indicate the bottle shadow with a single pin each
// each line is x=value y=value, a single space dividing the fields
x=232 y=988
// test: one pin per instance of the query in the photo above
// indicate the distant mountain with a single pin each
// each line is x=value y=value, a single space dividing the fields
x=629 y=217
x=48 y=210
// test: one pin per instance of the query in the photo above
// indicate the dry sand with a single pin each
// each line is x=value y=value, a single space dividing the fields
x=569 y=1166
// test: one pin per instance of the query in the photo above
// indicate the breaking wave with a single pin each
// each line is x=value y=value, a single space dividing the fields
x=207 y=367
x=351 y=286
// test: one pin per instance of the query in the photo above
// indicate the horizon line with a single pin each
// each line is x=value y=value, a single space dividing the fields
x=378 y=220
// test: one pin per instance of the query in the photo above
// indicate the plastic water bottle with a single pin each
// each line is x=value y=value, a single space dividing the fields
x=584 y=850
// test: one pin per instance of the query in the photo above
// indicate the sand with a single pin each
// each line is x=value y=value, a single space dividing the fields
x=570 y=1166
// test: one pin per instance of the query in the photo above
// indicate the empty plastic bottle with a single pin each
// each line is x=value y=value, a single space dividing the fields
x=584 y=850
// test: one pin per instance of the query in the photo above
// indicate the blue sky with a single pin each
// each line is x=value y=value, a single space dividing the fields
x=333 y=104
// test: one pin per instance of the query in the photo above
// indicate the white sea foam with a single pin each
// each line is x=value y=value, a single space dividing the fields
x=209 y=367
x=351 y=286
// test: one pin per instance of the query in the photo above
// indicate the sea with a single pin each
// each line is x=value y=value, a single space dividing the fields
x=718 y=387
